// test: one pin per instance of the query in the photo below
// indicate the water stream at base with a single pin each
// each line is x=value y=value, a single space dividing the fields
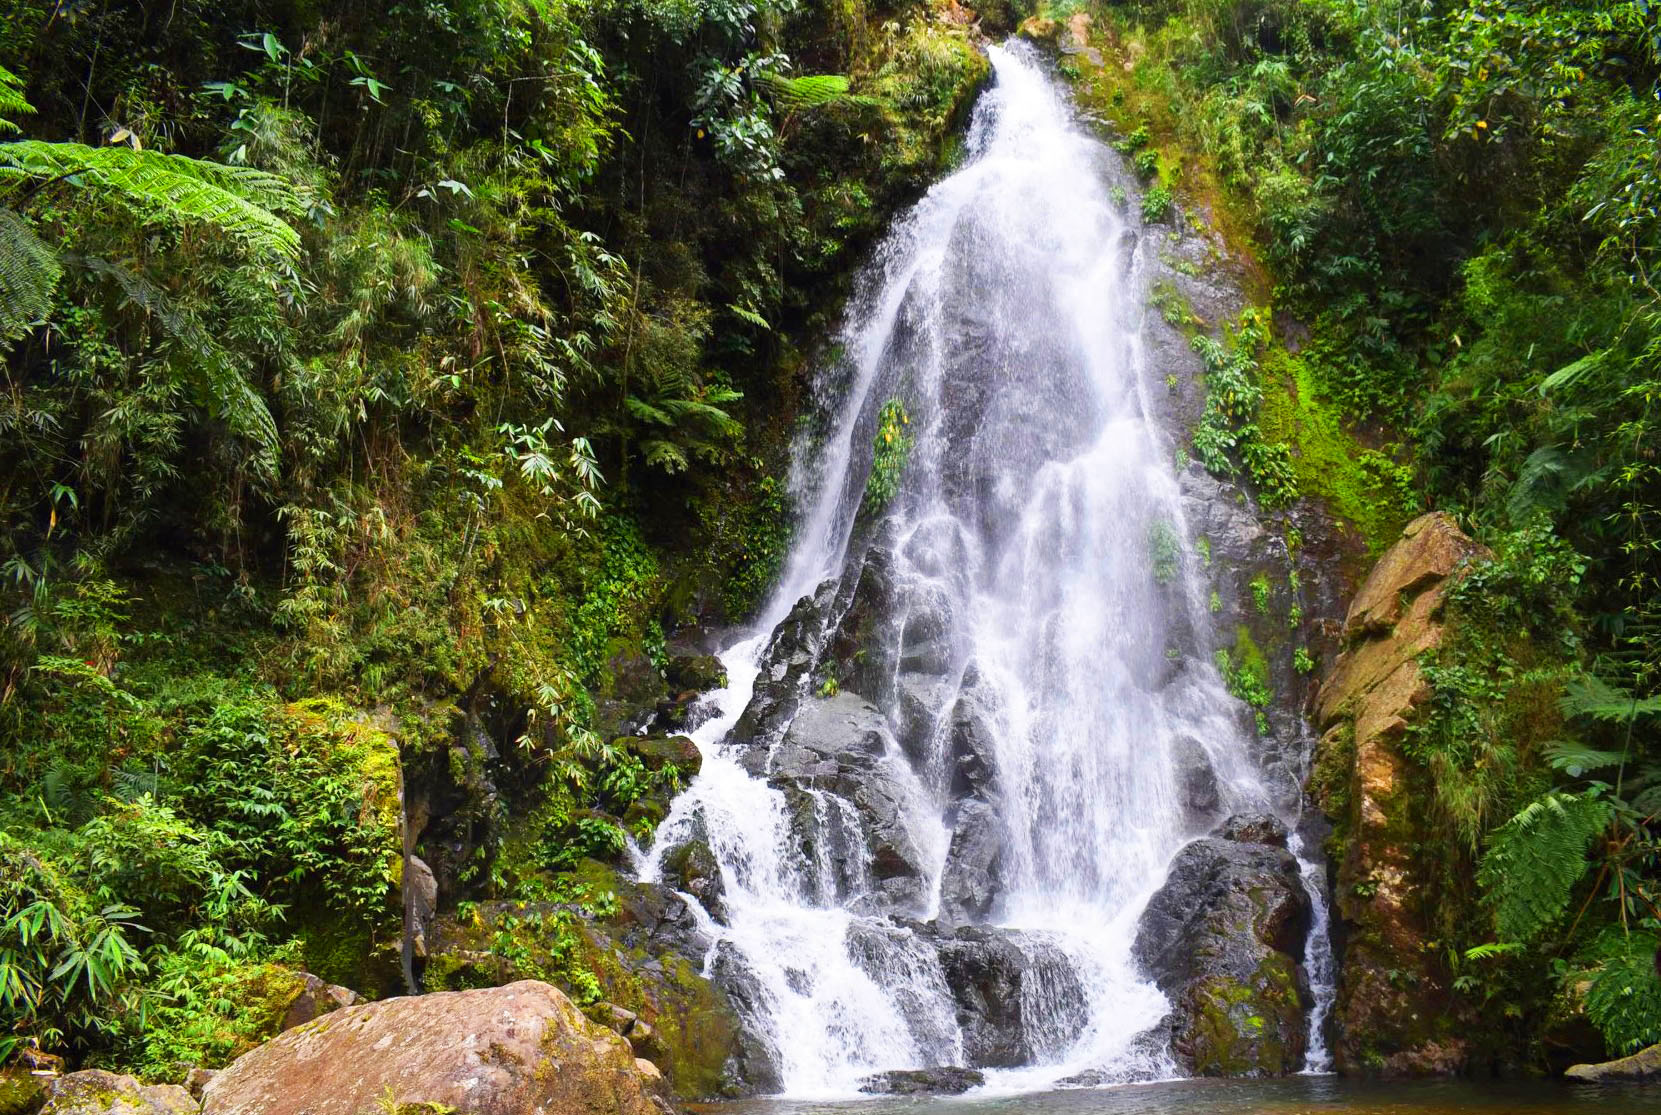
x=1042 y=573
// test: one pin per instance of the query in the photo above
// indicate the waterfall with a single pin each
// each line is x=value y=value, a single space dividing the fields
x=1032 y=684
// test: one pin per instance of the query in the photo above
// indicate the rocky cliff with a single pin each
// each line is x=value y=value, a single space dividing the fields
x=1392 y=1013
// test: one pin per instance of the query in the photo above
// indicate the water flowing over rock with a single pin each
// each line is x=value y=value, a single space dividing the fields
x=496 y=1051
x=965 y=738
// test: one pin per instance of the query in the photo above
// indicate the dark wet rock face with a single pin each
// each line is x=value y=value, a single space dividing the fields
x=944 y=1081
x=1223 y=938
x=1018 y=998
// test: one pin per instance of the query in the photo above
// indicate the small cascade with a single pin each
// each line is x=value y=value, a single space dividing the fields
x=959 y=747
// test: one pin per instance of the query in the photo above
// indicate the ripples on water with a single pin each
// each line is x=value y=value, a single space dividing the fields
x=1327 y=1095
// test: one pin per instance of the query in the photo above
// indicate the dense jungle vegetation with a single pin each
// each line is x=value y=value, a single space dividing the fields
x=1458 y=211
x=379 y=373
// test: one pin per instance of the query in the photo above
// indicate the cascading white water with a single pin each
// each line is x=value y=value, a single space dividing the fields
x=1040 y=579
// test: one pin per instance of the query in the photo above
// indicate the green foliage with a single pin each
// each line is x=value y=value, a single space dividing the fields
x=1164 y=552
x=1535 y=859
x=891 y=450
x=239 y=201
x=29 y=273
x=1156 y=203
x=1246 y=676
x=1623 y=995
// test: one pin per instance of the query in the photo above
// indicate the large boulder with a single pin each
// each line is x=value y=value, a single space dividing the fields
x=494 y=1051
x=1018 y=998
x=96 y=1092
x=1223 y=938
x=1393 y=1013
x=1644 y=1065
x=838 y=745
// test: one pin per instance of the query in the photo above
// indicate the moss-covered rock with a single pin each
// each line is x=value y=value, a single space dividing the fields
x=1224 y=939
x=644 y=958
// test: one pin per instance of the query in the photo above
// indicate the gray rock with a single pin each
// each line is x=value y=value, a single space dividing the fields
x=974 y=763
x=693 y=868
x=972 y=879
x=753 y=1068
x=1223 y=939
x=837 y=745
x=1018 y=998
x=944 y=1081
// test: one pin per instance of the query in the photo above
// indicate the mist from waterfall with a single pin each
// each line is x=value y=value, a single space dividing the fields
x=1044 y=585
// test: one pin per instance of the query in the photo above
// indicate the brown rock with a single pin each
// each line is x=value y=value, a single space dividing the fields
x=96 y=1092
x=317 y=998
x=1642 y=1065
x=1431 y=548
x=496 y=1051
x=1391 y=991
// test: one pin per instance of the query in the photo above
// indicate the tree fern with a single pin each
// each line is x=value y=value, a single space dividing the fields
x=1596 y=699
x=166 y=189
x=29 y=272
x=11 y=101
x=1623 y=995
x=220 y=384
x=1535 y=859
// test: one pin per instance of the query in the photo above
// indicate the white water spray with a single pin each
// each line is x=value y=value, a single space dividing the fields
x=1041 y=580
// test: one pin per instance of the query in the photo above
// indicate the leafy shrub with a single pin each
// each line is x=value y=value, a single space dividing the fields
x=891 y=450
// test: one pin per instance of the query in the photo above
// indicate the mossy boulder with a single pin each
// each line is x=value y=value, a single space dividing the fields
x=1224 y=939
x=96 y=1092
x=645 y=958
x=495 y=1051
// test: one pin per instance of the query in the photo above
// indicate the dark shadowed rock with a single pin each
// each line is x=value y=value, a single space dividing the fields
x=698 y=673
x=694 y=869
x=316 y=998
x=863 y=646
x=974 y=764
x=1223 y=939
x=1018 y=999
x=1253 y=828
x=753 y=1066
x=786 y=667
x=944 y=1081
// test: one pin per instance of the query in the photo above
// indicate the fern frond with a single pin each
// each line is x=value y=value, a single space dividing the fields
x=29 y=272
x=744 y=313
x=168 y=189
x=646 y=412
x=1544 y=483
x=665 y=455
x=1596 y=699
x=1535 y=859
x=1576 y=759
x=12 y=102
x=794 y=94
x=1623 y=997
x=221 y=384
